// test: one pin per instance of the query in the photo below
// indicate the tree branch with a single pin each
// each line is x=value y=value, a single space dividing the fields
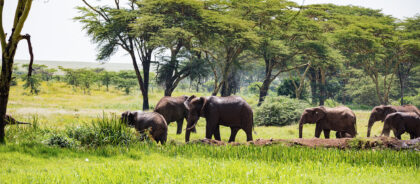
x=27 y=37
x=97 y=11
x=22 y=19
x=2 y=34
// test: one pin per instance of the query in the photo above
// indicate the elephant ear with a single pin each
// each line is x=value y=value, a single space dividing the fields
x=388 y=110
x=187 y=101
x=204 y=107
x=320 y=113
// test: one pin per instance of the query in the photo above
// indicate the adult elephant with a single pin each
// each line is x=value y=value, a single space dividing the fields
x=380 y=112
x=340 y=119
x=152 y=121
x=173 y=109
x=401 y=122
x=231 y=111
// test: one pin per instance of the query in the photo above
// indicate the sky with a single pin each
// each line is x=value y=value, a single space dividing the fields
x=57 y=37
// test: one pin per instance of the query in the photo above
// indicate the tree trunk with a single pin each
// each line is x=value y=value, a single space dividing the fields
x=140 y=80
x=264 y=90
x=322 y=87
x=146 y=72
x=6 y=78
x=314 y=77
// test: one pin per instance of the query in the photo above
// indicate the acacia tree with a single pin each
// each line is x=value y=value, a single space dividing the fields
x=410 y=48
x=177 y=25
x=231 y=35
x=372 y=42
x=111 y=29
x=8 y=48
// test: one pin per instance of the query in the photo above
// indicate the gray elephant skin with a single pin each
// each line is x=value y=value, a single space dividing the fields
x=173 y=109
x=380 y=112
x=340 y=119
x=401 y=122
x=232 y=111
x=147 y=120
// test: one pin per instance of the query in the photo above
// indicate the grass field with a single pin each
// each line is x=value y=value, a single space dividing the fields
x=27 y=159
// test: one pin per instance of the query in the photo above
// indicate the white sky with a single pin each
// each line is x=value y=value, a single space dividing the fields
x=55 y=36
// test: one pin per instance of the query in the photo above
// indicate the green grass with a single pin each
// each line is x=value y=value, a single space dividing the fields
x=27 y=158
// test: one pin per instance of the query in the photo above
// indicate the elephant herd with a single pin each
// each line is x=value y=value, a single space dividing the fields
x=231 y=111
x=236 y=113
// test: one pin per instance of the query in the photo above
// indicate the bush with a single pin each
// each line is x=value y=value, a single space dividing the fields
x=59 y=140
x=331 y=103
x=279 y=111
x=102 y=131
x=413 y=100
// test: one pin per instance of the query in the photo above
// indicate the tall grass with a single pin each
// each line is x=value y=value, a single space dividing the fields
x=105 y=130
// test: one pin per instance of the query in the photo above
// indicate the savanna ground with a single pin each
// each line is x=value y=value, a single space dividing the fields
x=27 y=159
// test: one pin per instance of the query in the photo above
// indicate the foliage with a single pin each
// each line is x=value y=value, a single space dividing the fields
x=33 y=83
x=286 y=88
x=254 y=88
x=125 y=80
x=279 y=111
x=413 y=100
x=82 y=78
x=59 y=140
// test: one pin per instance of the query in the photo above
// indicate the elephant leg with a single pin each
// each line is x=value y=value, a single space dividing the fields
x=179 y=126
x=327 y=133
x=233 y=132
x=249 y=134
x=398 y=135
x=318 y=130
x=412 y=136
x=338 y=135
x=216 y=133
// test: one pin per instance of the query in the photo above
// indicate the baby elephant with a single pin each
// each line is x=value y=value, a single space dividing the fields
x=147 y=120
x=401 y=122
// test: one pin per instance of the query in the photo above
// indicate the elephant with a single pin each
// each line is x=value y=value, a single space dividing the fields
x=340 y=119
x=147 y=120
x=380 y=112
x=401 y=122
x=12 y=121
x=231 y=111
x=173 y=109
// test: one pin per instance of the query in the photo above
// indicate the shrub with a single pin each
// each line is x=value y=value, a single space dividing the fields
x=59 y=140
x=414 y=100
x=331 y=103
x=279 y=111
x=102 y=131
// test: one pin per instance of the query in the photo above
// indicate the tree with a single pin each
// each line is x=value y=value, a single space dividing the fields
x=125 y=80
x=410 y=48
x=112 y=28
x=8 y=53
x=229 y=35
x=372 y=43
x=105 y=77
x=176 y=24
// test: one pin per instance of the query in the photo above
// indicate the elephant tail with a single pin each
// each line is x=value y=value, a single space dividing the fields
x=355 y=125
x=253 y=125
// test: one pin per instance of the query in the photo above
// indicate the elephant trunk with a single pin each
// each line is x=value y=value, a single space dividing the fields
x=370 y=124
x=300 y=128
x=189 y=128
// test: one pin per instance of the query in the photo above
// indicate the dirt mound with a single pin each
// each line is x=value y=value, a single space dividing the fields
x=345 y=143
